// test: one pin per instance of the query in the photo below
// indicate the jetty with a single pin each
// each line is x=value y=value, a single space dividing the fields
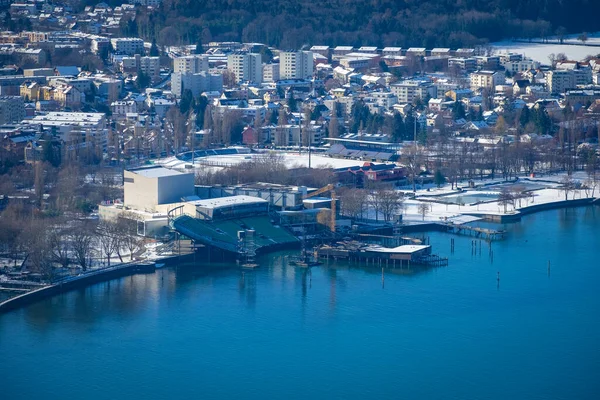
x=376 y=255
x=473 y=231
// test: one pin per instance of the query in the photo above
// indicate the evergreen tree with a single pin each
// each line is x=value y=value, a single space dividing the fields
x=154 y=52
x=199 y=48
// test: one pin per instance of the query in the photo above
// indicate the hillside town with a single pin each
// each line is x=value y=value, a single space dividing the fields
x=84 y=103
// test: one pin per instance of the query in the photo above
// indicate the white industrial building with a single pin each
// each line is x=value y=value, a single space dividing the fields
x=146 y=188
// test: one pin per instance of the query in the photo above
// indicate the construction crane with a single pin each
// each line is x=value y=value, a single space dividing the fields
x=329 y=188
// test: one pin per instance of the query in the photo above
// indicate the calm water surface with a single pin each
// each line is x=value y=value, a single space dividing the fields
x=447 y=333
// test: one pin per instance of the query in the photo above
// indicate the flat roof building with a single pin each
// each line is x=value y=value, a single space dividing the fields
x=146 y=188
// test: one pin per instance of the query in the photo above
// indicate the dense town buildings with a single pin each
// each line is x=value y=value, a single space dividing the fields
x=273 y=97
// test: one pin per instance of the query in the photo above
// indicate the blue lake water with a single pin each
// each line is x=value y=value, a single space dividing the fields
x=446 y=333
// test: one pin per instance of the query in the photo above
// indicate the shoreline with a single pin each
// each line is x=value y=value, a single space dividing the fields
x=85 y=280
x=148 y=267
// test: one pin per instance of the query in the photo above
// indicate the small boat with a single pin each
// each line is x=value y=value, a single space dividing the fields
x=160 y=265
x=305 y=260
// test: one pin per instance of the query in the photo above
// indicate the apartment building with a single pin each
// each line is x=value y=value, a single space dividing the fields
x=247 y=67
x=408 y=91
x=296 y=65
x=270 y=72
x=12 y=109
x=129 y=46
x=75 y=129
x=197 y=83
x=486 y=80
x=191 y=64
x=148 y=65
x=558 y=81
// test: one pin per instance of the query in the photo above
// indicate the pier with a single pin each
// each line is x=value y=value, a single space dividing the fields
x=473 y=231
x=375 y=255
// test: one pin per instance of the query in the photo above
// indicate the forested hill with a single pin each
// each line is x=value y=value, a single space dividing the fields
x=426 y=23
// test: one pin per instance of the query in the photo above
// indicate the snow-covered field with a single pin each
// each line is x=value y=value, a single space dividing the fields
x=291 y=159
x=540 y=51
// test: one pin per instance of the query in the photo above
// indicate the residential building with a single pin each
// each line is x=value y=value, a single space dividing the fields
x=325 y=51
x=408 y=91
x=247 y=67
x=68 y=96
x=520 y=65
x=197 y=83
x=30 y=91
x=76 y=129
x=296 y=65
x=490 y=63
x=270 y=72
x=486 y=80
x=123 y=107
x=191 y=64
x=150 y=66
x=129 y=46
x=464 y=64
x=558 y=81
x=12 y=109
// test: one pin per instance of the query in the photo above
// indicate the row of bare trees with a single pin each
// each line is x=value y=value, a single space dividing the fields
x=42 y=244
x=381 y=200
x=466 y=160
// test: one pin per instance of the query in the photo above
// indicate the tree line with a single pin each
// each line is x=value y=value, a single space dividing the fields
x=293 y=24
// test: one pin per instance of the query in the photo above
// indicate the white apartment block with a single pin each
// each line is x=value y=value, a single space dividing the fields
x=197 y=83
x=247 y=67
x=558 y=81
x=129 y=46
x=408 y=91
x=191 y=64
x=520 y=65
x=385 y=100
x=486 y=79
x=270 y=72
x=296 y=65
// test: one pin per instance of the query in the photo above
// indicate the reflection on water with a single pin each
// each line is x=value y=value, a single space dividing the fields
x=332 y=331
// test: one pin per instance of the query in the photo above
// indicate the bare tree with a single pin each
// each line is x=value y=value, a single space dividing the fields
x=82 y=239
x=567 y=185
x=127 y=230
x=58 y=242
x=424 y=209
x=107 y=239
x=353 y=202
x=505 y=198
x=391 y=202
x=412 y=158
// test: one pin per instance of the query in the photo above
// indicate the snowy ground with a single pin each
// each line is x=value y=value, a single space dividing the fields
x=458 y=214
x=291 y=159
x=540 y=51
